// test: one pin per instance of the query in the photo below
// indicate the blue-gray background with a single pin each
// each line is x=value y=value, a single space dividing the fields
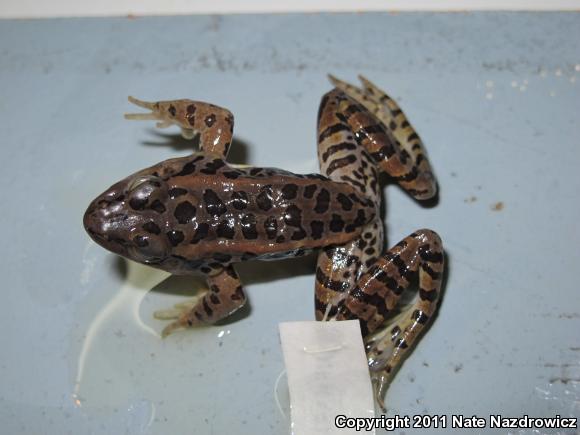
x=496 y=99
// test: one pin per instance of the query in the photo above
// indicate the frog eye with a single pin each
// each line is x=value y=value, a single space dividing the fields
x=145 y=190
x=140 y=181
x=136 y=183
x=147 y=248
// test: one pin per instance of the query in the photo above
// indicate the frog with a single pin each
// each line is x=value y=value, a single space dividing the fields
x=201 y=215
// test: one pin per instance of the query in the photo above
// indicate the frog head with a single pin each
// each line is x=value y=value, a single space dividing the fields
x=127 y=219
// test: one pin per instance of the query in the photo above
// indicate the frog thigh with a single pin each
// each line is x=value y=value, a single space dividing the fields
x=339 y=267
x=377 y=294
x=225 y=296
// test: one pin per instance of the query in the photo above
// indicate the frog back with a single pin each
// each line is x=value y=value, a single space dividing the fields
x=234 y=214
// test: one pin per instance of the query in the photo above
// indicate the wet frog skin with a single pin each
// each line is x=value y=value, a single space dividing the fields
x=200 y=215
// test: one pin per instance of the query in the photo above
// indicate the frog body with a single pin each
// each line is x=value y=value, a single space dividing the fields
x=200 y=215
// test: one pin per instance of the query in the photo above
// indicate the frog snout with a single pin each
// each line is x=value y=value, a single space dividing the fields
x=94 y=221
x=104 y=222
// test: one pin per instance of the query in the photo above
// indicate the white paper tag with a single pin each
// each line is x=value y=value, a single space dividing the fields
x=328 y=375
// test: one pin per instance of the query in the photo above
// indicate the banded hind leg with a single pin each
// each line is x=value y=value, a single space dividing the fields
x=224 y=297
x=376 y=297
x=382 y=128
x=343 y=160
x=215 y=124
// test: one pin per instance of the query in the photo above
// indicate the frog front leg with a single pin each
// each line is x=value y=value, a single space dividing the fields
x=225 y=295
x=215 y=124
x=376 y=296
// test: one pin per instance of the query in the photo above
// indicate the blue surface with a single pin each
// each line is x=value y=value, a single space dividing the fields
x=496 y=99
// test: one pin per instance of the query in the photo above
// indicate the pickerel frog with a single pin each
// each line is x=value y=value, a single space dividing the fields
x=201 y=215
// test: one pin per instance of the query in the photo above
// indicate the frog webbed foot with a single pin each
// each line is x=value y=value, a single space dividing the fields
x=380 y=384
x=379 y=349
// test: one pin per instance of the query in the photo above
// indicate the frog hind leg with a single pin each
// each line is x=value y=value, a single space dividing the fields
x=382 y=127
x=377 y=295
x=224 y=297
x=214 y=124
x=343 y=160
